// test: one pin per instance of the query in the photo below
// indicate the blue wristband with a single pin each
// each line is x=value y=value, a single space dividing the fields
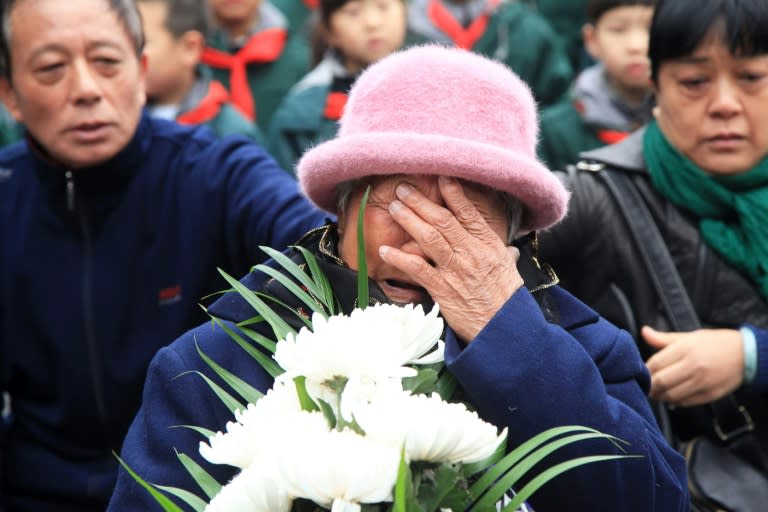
x=750 y=355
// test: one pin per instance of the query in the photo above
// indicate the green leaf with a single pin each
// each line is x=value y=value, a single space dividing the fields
x=200 y=430
x=443 y=488
x=476 y=467
x=259 y=338
x=293 y=310
x=197 y=504
x=267 y=363
x=232 y=403
x=279 y=326
x=424 y=382
x=547 y=475
x=404 y=498
x=309 y=281
x=508 y=481
x=251 y=321
x=307 y=404
x=518 y=453
x=295 y=289
x=446 y=385
x=160 y=498
x=207 y=483
x=330 y=417
x=242 y=388
x=362 y=265
x=326 y=291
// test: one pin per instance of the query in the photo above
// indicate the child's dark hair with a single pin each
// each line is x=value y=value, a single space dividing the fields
x=185 y=15
x=327 y=7
x=680 y=26
x=596 y=8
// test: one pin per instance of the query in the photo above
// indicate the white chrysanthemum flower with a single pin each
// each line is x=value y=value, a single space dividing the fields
x=368 y=346
x=338 y=467
x=262 y=428
x=254 y=490
x=431 y=429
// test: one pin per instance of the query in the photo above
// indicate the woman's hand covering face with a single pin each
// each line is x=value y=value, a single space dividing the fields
x=466 y=267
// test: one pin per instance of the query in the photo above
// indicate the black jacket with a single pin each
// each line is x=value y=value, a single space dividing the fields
x=597 y=260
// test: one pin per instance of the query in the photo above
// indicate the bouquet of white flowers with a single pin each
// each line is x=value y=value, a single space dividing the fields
x=359 y=416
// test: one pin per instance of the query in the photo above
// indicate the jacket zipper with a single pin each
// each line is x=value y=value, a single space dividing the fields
x=87 y=301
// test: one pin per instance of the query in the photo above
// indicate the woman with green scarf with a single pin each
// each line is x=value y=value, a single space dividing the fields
x=701 y=169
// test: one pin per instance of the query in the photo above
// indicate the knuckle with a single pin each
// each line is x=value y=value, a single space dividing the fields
x=431 y=235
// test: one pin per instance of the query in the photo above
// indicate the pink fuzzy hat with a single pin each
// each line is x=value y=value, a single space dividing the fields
x=439 y=111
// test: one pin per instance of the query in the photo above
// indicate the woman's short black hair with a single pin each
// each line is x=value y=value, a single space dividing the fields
x=596 y=8
x=680 y=26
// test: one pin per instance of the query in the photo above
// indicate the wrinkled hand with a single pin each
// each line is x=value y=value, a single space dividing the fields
x=694 y=368
x=468 y=270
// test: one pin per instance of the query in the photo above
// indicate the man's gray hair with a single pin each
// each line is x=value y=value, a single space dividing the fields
x=512 y=205
x=127 y=14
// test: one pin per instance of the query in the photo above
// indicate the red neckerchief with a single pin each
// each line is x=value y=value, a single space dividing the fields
x=209 y=106
x=266 y=46
x=462 y=37
x=334 y=105
x=612 y=136
x=311 y=4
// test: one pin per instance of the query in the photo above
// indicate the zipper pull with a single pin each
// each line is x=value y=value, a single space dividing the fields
x=70 y=191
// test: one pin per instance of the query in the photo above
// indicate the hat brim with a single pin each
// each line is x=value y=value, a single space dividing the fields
x=351 y=157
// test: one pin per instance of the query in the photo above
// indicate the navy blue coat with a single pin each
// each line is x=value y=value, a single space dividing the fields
x=93 y=282
x=522 y=372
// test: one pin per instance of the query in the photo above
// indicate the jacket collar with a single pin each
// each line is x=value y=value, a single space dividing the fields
x=626 y=155
x=99 y=186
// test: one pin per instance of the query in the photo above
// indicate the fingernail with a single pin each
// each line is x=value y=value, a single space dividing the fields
x=395 y=205
x=383 y=250
x=403 y=190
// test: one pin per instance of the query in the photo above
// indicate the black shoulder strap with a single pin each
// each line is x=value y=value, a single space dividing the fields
x=731 y=420
x=654 y=252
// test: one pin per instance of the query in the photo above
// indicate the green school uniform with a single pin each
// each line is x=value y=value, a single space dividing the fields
x=267 y=81
x=309 y=113
x=515 y=35
x=595 y=115
x=567 y=17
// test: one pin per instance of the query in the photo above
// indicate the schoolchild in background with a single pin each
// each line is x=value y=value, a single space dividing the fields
x=256 y=54
x=567 y=18
x=508 y=31
x=299 y=14
x=354 y=34
x=178 y=86
x=613 y=97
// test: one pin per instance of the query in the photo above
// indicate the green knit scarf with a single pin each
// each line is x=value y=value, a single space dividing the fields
x=732 y=210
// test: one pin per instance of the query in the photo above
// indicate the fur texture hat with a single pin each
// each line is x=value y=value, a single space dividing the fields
x=439 y=111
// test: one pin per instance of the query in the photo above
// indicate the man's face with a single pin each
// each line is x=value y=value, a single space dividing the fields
x=77 y=83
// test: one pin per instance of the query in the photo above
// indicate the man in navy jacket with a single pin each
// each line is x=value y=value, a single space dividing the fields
x=112 y=226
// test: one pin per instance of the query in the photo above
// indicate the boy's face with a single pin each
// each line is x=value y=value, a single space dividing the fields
x=619 y=40
x=171 y=61
x=365 y=31
x=234 y=11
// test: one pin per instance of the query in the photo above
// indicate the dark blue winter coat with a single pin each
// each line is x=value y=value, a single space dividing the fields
x=524 y=371
x=101 y=267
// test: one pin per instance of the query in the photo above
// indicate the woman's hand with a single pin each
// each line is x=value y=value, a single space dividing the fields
x=694 y=368
x=468 y=270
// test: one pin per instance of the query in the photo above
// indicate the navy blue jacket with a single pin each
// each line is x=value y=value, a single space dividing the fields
x=101 y=269
x=522 y=372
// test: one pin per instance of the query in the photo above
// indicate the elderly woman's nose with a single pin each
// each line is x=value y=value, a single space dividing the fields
x=725 y=98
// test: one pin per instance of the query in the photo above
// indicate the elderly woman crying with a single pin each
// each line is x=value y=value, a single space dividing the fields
x=444 y=141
